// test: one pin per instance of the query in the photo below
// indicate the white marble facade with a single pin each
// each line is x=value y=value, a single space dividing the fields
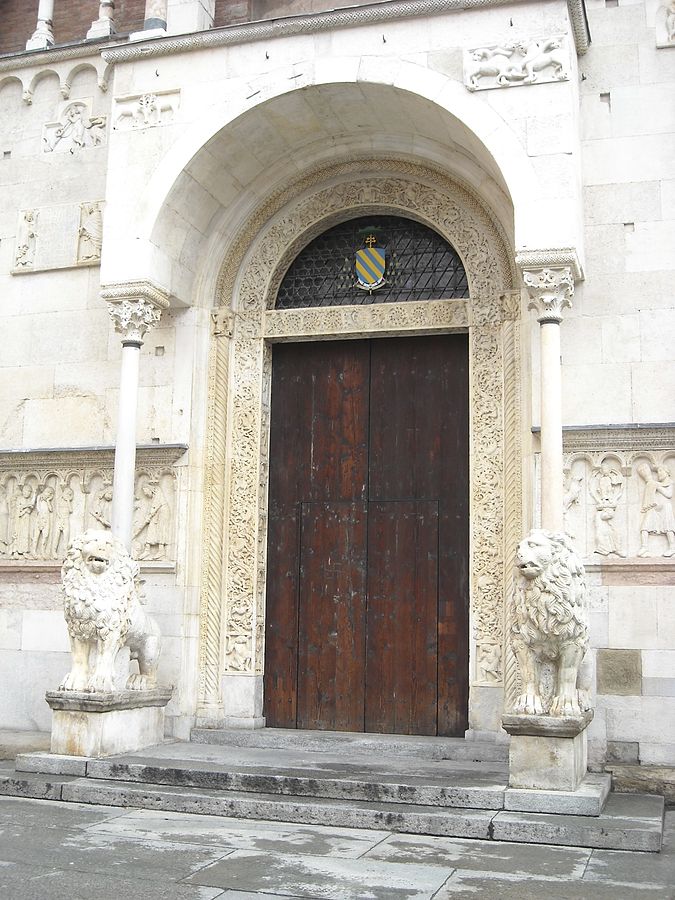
x=200 y=164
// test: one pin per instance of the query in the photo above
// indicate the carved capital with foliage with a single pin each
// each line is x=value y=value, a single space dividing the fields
x=134 y=307
x=550 y=290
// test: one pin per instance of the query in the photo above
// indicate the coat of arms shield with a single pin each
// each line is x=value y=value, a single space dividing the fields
x=370 y=264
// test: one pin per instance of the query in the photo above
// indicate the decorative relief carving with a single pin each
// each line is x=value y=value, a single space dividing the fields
x=145 y=110
x=489 y=663
x=77 y=129
x=24 y=255
x=133 y=318
x=665 y=24
x=625 y=506
x=90 y=233
x=550 y=291
x=515 y=62
x=458 y=216
x=46 y=497
x=354 y=321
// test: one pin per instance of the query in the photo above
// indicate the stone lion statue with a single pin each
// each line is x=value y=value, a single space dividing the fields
x=551 y=623
x=104 y=613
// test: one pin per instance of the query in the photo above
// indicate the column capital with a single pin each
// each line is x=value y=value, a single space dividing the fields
x=134 y=307
x=550 y=291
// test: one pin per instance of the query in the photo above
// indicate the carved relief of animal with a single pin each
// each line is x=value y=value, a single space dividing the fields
x=104 y=613
x=551 y=623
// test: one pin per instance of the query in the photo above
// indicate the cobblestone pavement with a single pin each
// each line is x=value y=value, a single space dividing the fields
x=67 y=851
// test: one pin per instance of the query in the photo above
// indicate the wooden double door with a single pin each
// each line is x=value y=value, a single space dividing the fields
x=367 y=584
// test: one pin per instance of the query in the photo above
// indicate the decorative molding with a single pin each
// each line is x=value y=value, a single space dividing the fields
x=136 y=290
x=145 y=110
x=321 y=22
x=240 y=380
x=550 y=291
x=47 y=496
x=551 y=258
x=605 y=438
x=515 y=62
x=359 y=321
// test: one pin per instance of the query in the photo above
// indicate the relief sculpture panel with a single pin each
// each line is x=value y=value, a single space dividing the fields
x=47 y=497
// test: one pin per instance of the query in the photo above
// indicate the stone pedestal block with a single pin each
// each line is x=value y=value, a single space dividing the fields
x=547 y=753
x=106 y=723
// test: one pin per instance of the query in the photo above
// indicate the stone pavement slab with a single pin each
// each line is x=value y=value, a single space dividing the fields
x=311 y=876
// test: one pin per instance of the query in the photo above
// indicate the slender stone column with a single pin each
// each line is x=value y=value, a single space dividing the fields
x=550 y=291
x=43 y=36
x=134 y=309
x=155 y=15
x=104 y=26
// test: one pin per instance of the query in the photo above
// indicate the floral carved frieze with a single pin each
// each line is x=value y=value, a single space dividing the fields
x=355 y=321
x=516 y=61
x=47 y=497
x=619 y=501
x=76 y=129
x=145 y=110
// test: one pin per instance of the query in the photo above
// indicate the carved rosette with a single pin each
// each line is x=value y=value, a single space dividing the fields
x=550 y=291
x=241 y=409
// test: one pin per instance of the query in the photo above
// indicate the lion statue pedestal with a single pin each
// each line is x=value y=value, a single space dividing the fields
x=94 y=713
x=549 y=639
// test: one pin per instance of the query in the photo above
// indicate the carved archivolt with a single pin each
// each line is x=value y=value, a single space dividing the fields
x=232 y=602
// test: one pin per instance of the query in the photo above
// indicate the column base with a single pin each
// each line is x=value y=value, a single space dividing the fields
x=106 y=723
x=147 y=34
x=101 y=28
x=40 y=42
x=547 y=753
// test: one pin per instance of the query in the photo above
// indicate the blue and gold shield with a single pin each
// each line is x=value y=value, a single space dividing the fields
x=370 y=265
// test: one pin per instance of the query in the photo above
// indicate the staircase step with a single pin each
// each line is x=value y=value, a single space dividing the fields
x=628 y=822
x=345 y=741
x=460 y=790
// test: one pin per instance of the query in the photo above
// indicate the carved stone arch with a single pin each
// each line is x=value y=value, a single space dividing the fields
x=245 y=324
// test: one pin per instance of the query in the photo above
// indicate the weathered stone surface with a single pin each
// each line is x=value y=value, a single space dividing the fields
x=51 y=763
x=660 y=780
x=587 y=800
x=619 y=672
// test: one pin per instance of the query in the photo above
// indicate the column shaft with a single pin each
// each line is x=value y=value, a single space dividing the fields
x=125 y=446
x=551 y=428
x=43 y=36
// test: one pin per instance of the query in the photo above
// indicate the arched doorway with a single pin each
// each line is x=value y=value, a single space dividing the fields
x=368 y=537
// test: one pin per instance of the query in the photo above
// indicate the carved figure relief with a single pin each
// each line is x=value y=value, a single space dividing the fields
x=45 y=503
x=665 y=24
x=76 y=130
x=571 y=493
x=516 y=62
x=104 y=613
x=657 y=508
x=90 y=233
x=551 y=624
x=489 y=663
x=628 y=509
x=24 y=256
x=146 y=110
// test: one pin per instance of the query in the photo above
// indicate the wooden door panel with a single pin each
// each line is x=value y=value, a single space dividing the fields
x=331 y=622
x=401 y=649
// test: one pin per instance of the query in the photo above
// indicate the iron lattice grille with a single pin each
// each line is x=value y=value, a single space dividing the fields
x=420 y=265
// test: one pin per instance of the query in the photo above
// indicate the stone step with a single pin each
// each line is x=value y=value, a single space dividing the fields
x=628 y=822
x=404 y=745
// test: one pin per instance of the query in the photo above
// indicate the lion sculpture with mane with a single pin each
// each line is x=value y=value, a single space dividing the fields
x=103 y=612
x=550 y=624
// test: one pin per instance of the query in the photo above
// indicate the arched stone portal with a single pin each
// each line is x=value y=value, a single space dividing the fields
x=232 y=603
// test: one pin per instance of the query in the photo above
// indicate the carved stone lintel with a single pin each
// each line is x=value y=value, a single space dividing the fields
x=550 y=291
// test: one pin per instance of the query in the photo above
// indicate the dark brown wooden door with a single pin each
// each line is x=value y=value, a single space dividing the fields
x=367 y=585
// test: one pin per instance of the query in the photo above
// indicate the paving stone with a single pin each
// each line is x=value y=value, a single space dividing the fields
x=242 y=834
x=19 y=882
x=634 y=868
x=484 y=856
x=87 y=851
x=309 y=876
x=51 y=763
x=483 y=886
x=53 y=815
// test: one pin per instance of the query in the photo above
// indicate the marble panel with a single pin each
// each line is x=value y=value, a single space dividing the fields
x=650 y=247
x=619 y=203
x=621 y=339
x=44 y=630
x=632 y=618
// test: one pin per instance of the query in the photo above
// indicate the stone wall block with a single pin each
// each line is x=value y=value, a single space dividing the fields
x=619 y=672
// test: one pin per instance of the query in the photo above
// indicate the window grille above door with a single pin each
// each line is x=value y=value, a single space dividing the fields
x=373 y=259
